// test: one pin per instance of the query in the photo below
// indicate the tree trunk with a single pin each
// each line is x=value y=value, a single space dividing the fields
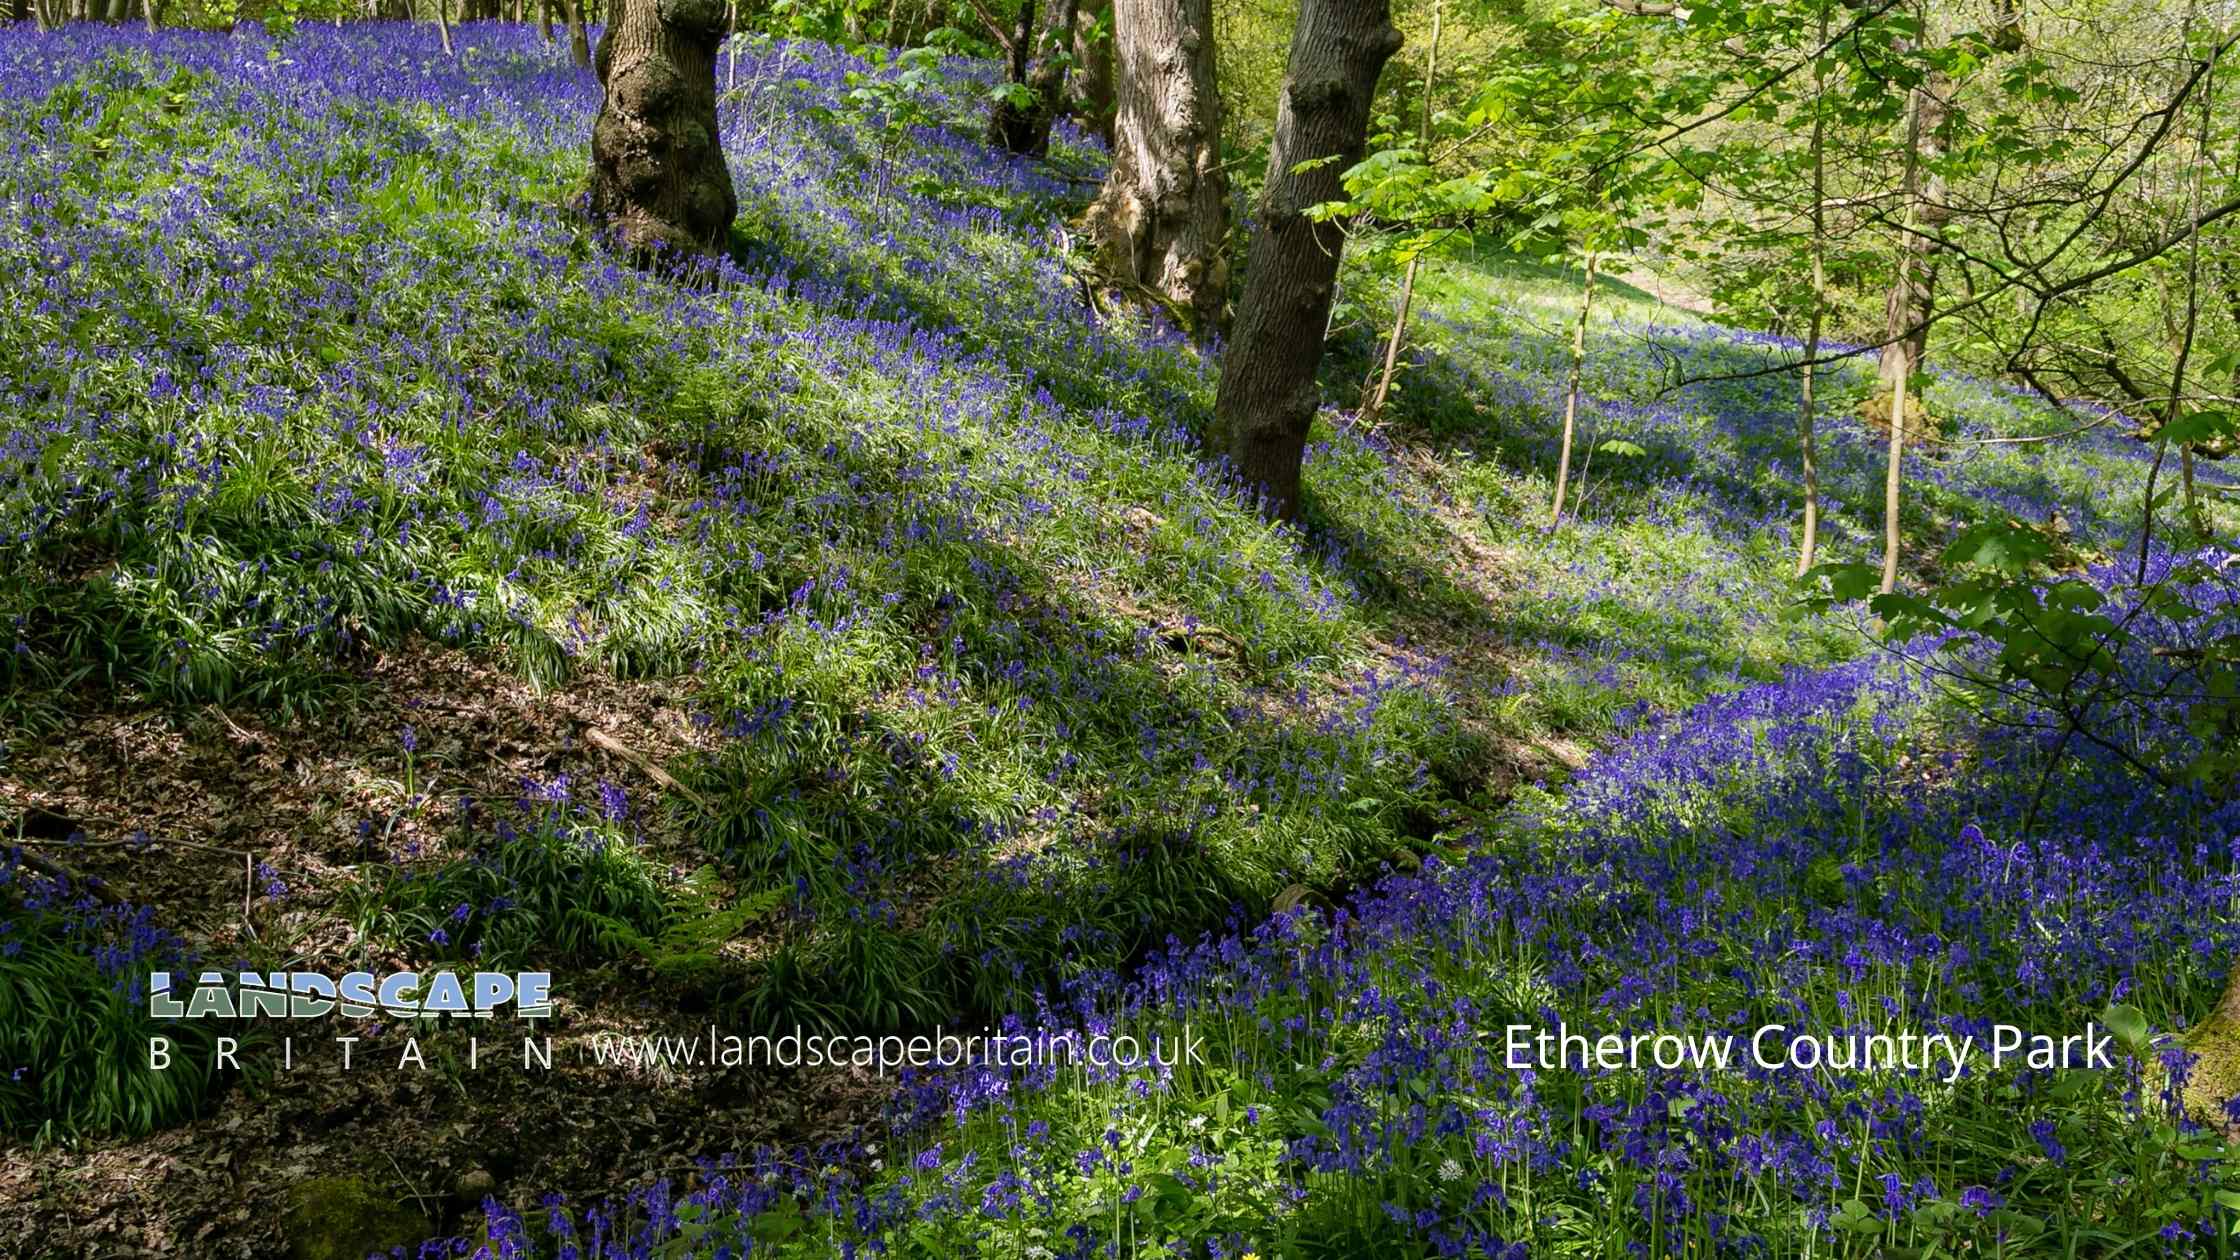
x=1092 y=69
x=1268 y=397
x=1375 y=401
x=1913 y=293
x=579 y=38
x=1161 y=221
x=1892 y=481
x=1571 y=392
x=443 y=26
x=1808 y=456
x=1026 y=129
x=658 y=179
x=544 y=20
x=1018 y=52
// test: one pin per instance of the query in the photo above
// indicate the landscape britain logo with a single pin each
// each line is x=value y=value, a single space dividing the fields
x=355 y=995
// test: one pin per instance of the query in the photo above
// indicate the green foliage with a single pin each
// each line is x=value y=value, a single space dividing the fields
x=687 y=950
x=552 y=892
x=74 y=1022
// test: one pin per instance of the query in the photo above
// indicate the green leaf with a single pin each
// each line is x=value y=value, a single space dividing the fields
x=2129 y=1025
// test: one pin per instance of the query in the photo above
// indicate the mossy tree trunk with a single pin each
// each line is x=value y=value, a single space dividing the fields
x=658 y=178
x=1268 y=396
x=1161 y=221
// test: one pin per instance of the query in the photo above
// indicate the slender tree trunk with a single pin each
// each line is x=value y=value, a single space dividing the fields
x=1019 y=50
x=1571 y=392
x=1913 y=291
x=1375 y=403
x=658 y=179
x=731 y=46
x=119 y=10
x=1026 y=130
x=579 y=38
x=1892 y=481
x=443 y=26
x=1092 y=69
x=1268 y=397
x=544 y=20
x=1161 y=221
x=1807 y=550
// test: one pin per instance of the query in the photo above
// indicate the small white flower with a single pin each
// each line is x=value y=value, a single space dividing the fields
x=1450 y=1171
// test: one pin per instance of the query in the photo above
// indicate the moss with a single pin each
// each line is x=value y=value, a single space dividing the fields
x=343 y=1218
x=2215 y=1077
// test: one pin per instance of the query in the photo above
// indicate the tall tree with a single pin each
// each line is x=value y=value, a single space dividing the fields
x=1913 y=291
x=1808 y=455
x=658 y=178
x=1092 y=61
x=1267 y=398
x=1161 y=221
x=579 y=39
x=1023 y=117
x=1374 y=403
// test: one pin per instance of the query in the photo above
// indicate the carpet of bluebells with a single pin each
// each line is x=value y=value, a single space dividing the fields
x=1018 y=710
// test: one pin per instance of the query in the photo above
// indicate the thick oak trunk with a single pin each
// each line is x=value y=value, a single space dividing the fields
x=1162 y=218
x=1025 y=129
x=1268 y=397
x=658 y=179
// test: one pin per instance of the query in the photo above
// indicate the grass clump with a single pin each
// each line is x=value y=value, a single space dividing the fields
x=75 y=1027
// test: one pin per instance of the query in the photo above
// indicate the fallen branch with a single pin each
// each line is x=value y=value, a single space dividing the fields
x=56 y=870
x=644 y=764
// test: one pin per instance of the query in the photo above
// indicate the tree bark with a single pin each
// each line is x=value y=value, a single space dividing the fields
x=1913 y=293
x=1267 y=398
x=1161 y=221
x=443 y=27
x=1092 y=70
x=1026 y=129
x=579 y=39
x=658 y=179
x=1808 y=455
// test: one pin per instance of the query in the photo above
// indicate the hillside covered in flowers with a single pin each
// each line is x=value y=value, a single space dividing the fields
x=856 y=639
